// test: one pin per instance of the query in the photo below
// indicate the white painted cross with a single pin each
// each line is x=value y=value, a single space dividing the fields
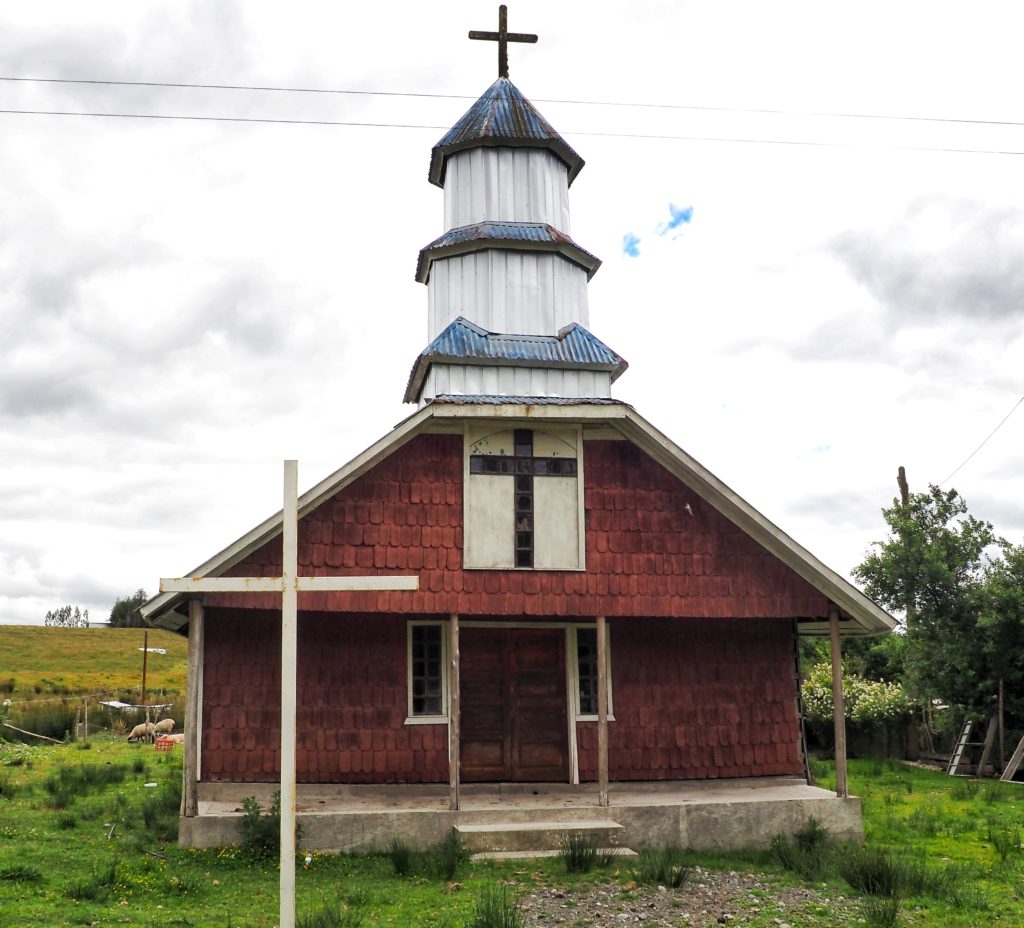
x=288 y=585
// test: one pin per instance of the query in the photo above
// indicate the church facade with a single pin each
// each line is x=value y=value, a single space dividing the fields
x=593 y=605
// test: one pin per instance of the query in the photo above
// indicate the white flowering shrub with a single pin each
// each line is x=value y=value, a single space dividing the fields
x=865 y=702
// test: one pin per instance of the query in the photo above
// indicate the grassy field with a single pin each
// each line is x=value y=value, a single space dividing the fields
x=36 y=661
x=85 y=841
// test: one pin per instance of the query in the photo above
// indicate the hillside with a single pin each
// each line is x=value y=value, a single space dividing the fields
x=87 y=660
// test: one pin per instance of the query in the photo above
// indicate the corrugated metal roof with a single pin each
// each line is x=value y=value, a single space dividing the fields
x=464 y=342
x=502 y=116
x=492 y=400
x=518 y=236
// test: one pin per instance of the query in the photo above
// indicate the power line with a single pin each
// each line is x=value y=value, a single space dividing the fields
x=985 y=442
x=614 y=135
x=956 y=120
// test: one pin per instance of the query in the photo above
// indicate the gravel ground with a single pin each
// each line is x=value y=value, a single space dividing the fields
x=709 y=898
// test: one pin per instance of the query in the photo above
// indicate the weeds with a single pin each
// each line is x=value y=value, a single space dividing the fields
x=806 y=854
x=882 y=912
x=20 y=874
x=924 y=821
x=448 y=857
x=261 y=831
x=67 y=821
x=160 y=811
x=9 y=787
x=95 y=888
x=965 y=789
x=400 y=855
x=187 y=883
x=497 y=907
x=872 y=871
x=331 y=916
x=579 y=852
x=663 y=867
x=1005 y=840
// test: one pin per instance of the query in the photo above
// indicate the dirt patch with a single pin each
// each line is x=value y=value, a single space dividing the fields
x=709 y=898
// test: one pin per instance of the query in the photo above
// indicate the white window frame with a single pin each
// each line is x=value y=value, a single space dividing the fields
x=572 y=654
x=441 y=719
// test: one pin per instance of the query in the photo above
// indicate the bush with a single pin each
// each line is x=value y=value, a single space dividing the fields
x=261 y=831
x=869 y=702
x=873 y=871
x=882 y=912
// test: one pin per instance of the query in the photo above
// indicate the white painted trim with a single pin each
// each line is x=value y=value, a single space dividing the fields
x=570 y=663
x=581 y=530
x=411 y=719
x=574 y=686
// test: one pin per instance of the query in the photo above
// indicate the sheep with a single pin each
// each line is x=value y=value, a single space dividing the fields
x=164 y=727
x=142 y=732
x=176 y=739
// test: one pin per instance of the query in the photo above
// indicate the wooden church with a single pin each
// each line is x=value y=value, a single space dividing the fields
x=594 y=608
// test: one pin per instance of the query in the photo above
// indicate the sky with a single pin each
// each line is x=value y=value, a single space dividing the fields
x=808 y=296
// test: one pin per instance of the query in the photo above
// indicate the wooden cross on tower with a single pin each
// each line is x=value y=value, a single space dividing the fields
x=503 y=37
x=288 y=585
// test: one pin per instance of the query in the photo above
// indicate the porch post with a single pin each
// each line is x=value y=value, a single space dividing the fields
x=454 y=713
x=602 y=712
x=190 y=790
x=837 y=702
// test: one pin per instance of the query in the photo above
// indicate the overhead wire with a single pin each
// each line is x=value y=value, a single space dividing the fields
x=269 y=88
x=1002 y=422
x=620 y=135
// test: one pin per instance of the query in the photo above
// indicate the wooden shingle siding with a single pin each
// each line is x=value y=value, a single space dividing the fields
x=698 y=699
x=654 y=548
x=351 y=702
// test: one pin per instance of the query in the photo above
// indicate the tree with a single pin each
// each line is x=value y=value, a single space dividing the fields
x=125 y=612
x=1001 y=621
x=934 y=567
x=66 y=617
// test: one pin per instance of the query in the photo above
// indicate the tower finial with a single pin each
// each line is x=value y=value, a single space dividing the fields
x=503 y=37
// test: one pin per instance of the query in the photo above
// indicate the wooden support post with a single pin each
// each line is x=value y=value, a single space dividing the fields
x=190 y=784
x=602 y=712
x=1002 y=730
x=289 y=669
x=145 y=654
x=454 y=714
x=842 y=790
x=86 y=718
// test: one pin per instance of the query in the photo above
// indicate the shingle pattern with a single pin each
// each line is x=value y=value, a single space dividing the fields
x=696 y=698
x=654 y=548
x=351 y=702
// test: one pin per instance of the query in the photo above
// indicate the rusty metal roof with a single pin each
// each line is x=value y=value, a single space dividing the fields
x=493 y=400
x=464 y=342
x=514 y=236
x=502 y=116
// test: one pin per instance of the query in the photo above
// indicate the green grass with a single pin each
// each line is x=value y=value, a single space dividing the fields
x=118 y=863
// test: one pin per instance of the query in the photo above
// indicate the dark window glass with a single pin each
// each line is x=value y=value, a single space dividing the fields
x=586 y=658
x=426 y=670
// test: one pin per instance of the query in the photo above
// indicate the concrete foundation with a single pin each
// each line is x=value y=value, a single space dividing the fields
x=707 y=815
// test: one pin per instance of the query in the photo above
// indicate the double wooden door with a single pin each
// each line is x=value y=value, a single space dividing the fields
x=514 y=722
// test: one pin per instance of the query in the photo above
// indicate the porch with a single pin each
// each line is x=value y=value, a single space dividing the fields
x=705 y=814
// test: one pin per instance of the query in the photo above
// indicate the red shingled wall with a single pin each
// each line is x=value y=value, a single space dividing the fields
x=351 y=702
x=654 y=548
x=695 y=699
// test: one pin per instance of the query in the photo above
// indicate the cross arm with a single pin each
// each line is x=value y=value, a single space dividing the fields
x=322 y=584
x=221 y=585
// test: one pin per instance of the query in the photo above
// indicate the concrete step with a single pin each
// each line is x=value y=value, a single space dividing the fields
x=534 y=836
x=624 y=852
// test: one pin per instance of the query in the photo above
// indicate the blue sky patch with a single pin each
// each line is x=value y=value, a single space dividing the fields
x=629 y=245
x=680 y=216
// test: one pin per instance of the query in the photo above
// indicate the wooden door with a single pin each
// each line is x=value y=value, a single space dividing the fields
x=514 y=715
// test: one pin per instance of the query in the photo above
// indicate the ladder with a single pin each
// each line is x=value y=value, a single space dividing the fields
x=963 y=741
x=1015 y=762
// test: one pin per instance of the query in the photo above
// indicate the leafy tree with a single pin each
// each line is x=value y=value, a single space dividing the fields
x=66 y=617
x=1001 y=622
x=934 y=567
x=125 y=612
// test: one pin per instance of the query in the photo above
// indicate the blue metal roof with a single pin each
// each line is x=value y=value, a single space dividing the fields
x=517 y=236
x=492 y=400
x=502 y=116
x=464 y=342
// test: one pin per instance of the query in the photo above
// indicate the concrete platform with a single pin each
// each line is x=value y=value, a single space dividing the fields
x=705 y=814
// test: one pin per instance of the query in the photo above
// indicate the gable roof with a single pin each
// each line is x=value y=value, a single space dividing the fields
x=858 y=614
x=465 y=342
x=502 y=116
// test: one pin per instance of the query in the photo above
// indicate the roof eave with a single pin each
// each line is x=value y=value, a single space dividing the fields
x=573 y=253
x=559 y=148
